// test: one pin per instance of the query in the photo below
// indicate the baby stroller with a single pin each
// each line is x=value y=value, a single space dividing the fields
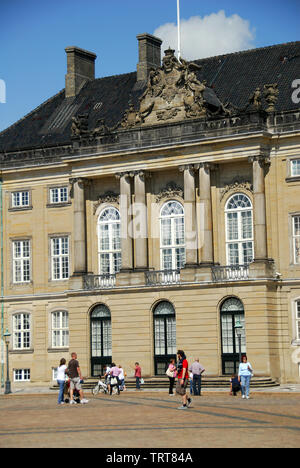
x=101 y=387
x=76 y=395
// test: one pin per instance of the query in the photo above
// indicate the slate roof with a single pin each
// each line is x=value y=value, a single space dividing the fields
x=233 y=77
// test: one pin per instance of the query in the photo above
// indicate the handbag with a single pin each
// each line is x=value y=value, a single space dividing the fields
x=170 y=373
x=113 y=381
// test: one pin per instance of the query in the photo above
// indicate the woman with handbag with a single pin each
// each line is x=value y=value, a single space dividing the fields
x=114 y=380
x=171 y=373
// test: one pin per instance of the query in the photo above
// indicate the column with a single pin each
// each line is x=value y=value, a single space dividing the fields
x=205 y=215
x=126 y=226
x=140 y=221
x=190 y=215
x=259 y=208
x=79 y=226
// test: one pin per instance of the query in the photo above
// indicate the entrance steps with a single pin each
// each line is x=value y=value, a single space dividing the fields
x=152 y=383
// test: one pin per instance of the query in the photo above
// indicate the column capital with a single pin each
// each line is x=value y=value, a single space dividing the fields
x=119 y=175
x=206 y=165
x=81 y=180
x=262 y=158
x=186 y=167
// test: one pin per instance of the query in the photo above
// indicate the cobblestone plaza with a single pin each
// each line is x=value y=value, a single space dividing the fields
x=150 y=420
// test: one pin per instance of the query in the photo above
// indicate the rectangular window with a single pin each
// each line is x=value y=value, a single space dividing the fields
x=21 y=261
x=296 y=239
x=60 y=329
x=21 y=331
x=20 y=199
x=295 y=167
x=59 y=195
x=298 y=320
x=21 y=375
x=60 y=258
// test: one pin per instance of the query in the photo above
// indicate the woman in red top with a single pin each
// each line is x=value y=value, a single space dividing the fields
x=183 y=377
x=138 y=375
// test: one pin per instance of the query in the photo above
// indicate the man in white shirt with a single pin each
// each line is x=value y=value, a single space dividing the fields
x=197 y=370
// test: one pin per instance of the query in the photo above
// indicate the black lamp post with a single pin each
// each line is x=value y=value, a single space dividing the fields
x=239 y=330
x=7 y=336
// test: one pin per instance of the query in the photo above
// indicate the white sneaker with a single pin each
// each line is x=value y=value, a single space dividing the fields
x=84 y=402
x=244 y=396
x=248 y=398
x=72 y=402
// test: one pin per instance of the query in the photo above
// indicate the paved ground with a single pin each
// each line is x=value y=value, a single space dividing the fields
x=151 y=420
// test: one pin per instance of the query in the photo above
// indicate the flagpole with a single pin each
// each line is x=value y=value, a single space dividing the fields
x=178 y=29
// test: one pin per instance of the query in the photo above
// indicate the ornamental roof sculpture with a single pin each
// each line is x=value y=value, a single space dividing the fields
x=173 y=93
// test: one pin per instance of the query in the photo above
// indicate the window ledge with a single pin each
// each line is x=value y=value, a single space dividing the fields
x=58 y=205
x=21 y=351
x=292 y=179
x=58 y=350
x=20 y=208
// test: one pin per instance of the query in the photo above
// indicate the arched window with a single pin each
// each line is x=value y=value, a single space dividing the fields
x=164 y=335
x=239 y=230
x=172 y=243
x=101 y=344
x=109 y=241
x=232 y=311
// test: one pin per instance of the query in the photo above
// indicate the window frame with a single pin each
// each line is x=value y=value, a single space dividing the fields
x=173 y=246
x=22 y=260
x=114 y=254
x=240 y=241
x=23 y=371
x=19 y=333
x=62 y=195
x=21 y=205
x=60 y=257
x=292 y=161
x=294 y=238
x=60 y=330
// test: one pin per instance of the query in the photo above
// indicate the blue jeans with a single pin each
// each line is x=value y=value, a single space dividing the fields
x=61 y=384
x=197 y=380
x=137 y=382
x=245 y=384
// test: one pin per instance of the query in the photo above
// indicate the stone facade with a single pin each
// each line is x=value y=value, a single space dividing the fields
x=200 y=162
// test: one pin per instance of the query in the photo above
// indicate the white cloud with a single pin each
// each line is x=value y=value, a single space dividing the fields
x=211 y=35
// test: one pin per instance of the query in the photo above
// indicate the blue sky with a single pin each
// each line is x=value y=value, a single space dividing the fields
x=34 y=34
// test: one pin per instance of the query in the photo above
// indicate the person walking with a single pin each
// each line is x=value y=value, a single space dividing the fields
x=122 y=378
x=115 y=371
x=245 y=374
x=182 y=379
x=197 y=370
x=138 y=376
x=171 y=373
x=61 y=379
x=75 y=375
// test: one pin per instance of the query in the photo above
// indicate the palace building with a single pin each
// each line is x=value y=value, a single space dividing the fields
x=154 y=211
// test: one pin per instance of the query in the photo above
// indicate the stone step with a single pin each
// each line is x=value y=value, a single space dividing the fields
x=207 y=382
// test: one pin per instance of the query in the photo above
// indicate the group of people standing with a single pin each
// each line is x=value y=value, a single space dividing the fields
x=115 y=376
x=73 y=371
x=183 y=372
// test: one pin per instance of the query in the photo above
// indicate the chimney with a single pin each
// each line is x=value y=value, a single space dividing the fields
x=149 y=55
x=80 y=69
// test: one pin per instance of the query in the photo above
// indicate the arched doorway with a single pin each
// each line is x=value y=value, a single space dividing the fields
x=101 y=353
x=164 y=336
x=232 y=311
